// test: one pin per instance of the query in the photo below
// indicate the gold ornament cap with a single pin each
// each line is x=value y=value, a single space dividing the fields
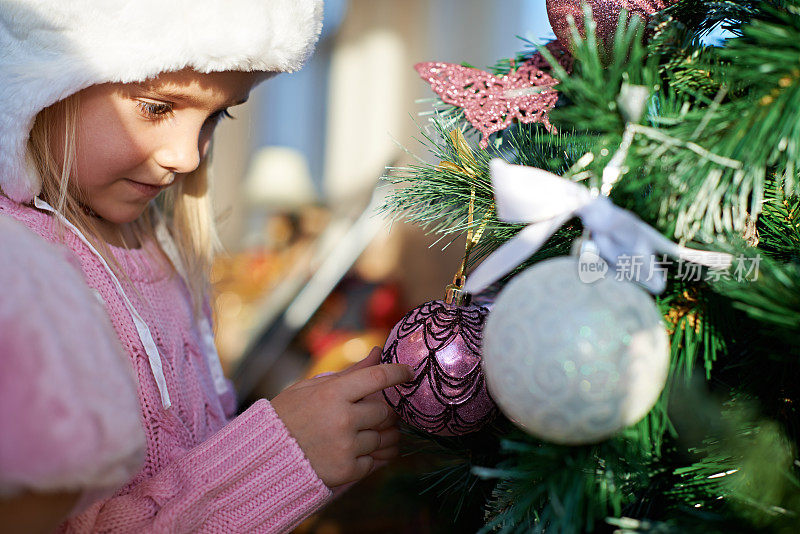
x=454 y=294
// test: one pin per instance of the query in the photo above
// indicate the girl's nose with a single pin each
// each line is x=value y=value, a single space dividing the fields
x=180 y=152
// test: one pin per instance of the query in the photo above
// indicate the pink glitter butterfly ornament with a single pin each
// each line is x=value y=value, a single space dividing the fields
x=491 y=103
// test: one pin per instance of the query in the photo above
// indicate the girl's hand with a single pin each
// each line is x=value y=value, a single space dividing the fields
x=341 y=421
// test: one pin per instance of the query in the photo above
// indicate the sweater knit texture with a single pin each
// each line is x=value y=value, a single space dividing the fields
x=203 y=471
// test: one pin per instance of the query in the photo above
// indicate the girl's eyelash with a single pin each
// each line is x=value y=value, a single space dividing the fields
x=155 y=110
x=162 y=110
x=221 y=114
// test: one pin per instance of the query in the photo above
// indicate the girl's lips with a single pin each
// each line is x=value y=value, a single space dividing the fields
x=146 y=189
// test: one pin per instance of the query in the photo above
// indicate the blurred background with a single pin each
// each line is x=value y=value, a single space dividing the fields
x=312 y=278
x=297 y=180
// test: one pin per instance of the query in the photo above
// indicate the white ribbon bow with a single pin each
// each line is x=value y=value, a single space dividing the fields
x=546 y=201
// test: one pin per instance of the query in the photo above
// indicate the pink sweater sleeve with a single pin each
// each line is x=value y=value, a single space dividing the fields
x=251 y=476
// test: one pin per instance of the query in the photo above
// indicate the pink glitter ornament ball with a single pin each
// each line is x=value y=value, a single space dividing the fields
x=604 y=12
x=441 y=342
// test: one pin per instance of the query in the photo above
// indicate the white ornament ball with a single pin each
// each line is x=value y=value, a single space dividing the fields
x=573 y=362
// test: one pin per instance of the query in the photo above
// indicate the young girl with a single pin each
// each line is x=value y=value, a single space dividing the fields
x=109 y=107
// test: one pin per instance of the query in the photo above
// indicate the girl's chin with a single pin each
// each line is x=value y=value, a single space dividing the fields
x=119 y=216
x=115 y=229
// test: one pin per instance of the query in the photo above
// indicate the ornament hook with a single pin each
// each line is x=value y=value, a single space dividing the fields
x=454 y=293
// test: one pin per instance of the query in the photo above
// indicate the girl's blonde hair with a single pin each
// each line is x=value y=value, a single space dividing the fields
x=185 y=208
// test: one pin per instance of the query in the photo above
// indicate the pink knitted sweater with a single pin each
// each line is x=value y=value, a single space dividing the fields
x=203 y=472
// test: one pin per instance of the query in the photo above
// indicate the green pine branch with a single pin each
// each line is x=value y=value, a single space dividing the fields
x=437 y=198
x=702 y=163
x=549 y=488
x=715 y=150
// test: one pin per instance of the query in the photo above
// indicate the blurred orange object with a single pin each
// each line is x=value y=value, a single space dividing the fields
x=347 y=352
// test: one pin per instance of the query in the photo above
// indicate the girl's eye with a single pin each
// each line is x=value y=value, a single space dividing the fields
x=154 y=110
x=218 y=116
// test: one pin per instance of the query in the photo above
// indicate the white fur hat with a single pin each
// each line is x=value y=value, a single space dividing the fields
x=50 y=49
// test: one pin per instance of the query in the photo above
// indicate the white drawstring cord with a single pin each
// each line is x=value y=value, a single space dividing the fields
x=141 y=327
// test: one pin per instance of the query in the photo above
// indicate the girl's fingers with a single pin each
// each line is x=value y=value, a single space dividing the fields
x=389 y=422
x=369 y=441
x=389 y=438
x=377 y=465
x=313 y=381
x=373 y=358
x=369 y=414
x=364 y=466
x=362 y=382
x=385 y=454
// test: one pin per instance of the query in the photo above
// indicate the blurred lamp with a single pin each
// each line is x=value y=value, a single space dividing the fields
x=278 y=179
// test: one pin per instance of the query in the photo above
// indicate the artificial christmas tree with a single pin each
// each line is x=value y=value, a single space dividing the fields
x=703 y=144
